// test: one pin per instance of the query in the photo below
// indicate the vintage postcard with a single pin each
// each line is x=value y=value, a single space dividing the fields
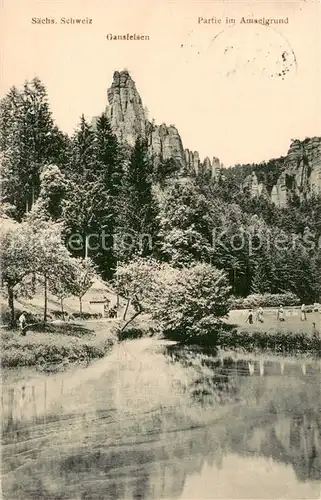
x=160 y=256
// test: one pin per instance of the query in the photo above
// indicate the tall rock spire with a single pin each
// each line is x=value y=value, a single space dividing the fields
x=129 y=121
x=125 y=110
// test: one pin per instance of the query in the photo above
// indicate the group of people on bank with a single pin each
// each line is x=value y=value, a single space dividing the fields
x=280 y=315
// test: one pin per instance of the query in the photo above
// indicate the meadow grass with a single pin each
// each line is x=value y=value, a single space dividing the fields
x=271 y=325
x=57 y=344
x=288 y=337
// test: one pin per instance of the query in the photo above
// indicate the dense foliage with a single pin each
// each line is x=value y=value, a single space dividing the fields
x=34 y=251
x=265 y=300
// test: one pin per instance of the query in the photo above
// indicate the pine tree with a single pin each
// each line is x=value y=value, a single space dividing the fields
x=91 y=209
x=109 y=159
x=108 y=156
x=28 y=140
x=80 y=206
x=137 y=225
x=81 y=153
x=53 y=189
x=261 y=279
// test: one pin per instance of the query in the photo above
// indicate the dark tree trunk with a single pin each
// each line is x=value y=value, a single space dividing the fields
x=46 y=300
x=126 y=309
x=80 y=306
x=117 y=306
x=33 y=283
x=138 y=311
x=11 y=306
x=130 y=320
x=62 y=308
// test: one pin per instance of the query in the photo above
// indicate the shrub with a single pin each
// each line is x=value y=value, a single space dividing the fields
x=187 y=303
x=265 y=300
x=86 y=316
x=31 y=317
x=191 y=306
x=59 y=314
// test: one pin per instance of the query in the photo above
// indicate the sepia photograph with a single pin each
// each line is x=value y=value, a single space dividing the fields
x=160 y=249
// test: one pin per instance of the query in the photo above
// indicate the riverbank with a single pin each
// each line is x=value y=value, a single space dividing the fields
x=55 y=346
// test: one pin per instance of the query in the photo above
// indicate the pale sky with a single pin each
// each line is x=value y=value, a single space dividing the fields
x=221 y=92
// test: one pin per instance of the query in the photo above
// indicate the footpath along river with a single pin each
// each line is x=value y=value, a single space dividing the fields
x=153 y=420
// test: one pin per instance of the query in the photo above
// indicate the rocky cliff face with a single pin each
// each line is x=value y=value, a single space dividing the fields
x=128 y=120
x=301 y=176
x=165 y=142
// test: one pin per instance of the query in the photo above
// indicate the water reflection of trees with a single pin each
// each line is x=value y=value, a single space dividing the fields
x=276 y=418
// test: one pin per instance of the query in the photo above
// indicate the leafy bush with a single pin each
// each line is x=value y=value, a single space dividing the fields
x=31 y=317
x=86 y=316
x=193 y=303
x=265 y=300
x=59 y=314
x=187 y=303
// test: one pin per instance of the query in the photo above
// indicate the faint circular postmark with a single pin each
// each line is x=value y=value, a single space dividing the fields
x=251 y=50
x=254 y=49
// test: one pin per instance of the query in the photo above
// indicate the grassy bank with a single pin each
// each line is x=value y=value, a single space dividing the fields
x=275 y=342
x=292 y=336
x=289 y=338
x=271 y=325
x=55 y=346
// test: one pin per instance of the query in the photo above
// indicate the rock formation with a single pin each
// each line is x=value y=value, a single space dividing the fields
x=279 y=192
x=125 y=110
x=194 y=165
x=192 y=161
x=301 y=176
x=255 y=187
x=129 y=120
x=216 y=168
x=165 y=142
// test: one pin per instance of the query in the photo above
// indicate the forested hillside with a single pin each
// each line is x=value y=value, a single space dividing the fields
x=114 y=200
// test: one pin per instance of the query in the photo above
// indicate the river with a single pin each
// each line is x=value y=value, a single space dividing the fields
x=153 y=420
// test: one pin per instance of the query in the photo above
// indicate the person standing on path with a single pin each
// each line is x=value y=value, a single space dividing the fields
x=315 y=331
x=260 y=314
x=22 y=322
x=280 y=314
x=250 y=317
x=303 y=313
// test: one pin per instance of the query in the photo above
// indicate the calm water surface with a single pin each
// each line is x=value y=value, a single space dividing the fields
x=154 y=421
